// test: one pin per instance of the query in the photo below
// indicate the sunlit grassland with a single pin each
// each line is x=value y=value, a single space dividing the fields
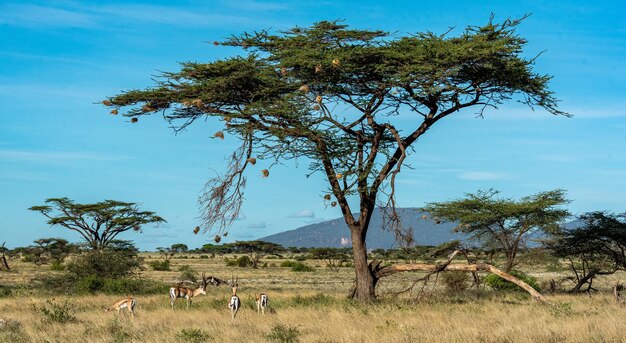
x=314 y=304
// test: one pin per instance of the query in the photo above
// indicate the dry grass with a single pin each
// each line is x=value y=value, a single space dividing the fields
x=314 y=304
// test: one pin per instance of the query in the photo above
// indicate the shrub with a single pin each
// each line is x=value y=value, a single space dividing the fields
x=500 y=284
x=107 y=264
x=284 y=334
x=242 y=262
x=58 y=313
x=301 y=267
x=57 y=266
x=187 y=273
x=204 y=257
x=89 y=284
x=193 y=335
x=163 y=265
x=5 y=291
x=288 y=264
x=455 y=281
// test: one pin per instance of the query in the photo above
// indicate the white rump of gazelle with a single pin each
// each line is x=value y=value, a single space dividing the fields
x=234 y=302
x=261 y=302
x=126 y=303
x=188 y=293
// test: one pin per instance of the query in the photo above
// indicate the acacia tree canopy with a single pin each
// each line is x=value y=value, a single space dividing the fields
x=333 y=94
x=99 y=224
x=503 y=223
x=596 y=247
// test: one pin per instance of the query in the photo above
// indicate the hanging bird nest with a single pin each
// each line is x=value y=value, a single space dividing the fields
x=316 y=107
x=228 y=119
x=196 y=230
x=107 y=102
x=219 y=134
x=147 y=108
x=114 y=112
x=335 y=63
x=327 y=197
x=198 y=103
x=265 y=172
x=244 y=45
x=216 y=43
x=333 y=204
x=304 y=89
x=318 y=68
x=318 y=99
x=283 y=71
x=424 y=216
x=187 y=103
x=137 y=228
x=217 y=238
x=339 y=176
x=251 y=160
x=134 y=120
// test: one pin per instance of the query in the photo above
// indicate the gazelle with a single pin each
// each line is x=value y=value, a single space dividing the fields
x=234 y=302
x=126 y=303
x=187 y=293
x=261 y=302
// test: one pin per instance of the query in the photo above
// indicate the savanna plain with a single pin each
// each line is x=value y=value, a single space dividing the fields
x=306 y=307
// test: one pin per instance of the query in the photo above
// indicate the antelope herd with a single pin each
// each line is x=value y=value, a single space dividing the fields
x=188 y=293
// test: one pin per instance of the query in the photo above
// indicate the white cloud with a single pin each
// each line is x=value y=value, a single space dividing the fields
x=481 y=176
x=303 y=214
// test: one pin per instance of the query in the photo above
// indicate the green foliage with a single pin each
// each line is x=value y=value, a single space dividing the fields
x=504 y=224
x=98 y=223
x=284 y=333
x=301 y=267
x=160 y=265
x=52 y=311
x=5 y=291
x=500 y=284
x=107 y=263
x=288 y=264
x=194 y=335
x=241 y=261
x=561 y=309
x=57 y=266
x=455 y=281
x=188 y=273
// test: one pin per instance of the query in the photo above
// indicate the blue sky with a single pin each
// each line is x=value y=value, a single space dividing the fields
x=59 y=58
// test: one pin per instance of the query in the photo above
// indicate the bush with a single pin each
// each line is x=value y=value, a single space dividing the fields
x=5 y=291
x=106 y=264
x=58 y=313
x=160 y=265
x=242 y=262
x=193 y=335
x=284 y=334
x=89 y=284
x=500 y=284
x=301 y=267
x=187 y=273
x=288 y=264
x=57 y=266
x=455 y=281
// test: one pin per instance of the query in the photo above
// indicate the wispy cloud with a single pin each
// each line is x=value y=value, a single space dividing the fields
x=29 y=15
x=481 y=176
x=257 y=225
x=54 y=156
x=303 y=214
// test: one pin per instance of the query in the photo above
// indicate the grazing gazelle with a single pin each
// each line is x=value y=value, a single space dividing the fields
x=126 y=303
x=186 y=292
x=234 y=302
x=261 y=302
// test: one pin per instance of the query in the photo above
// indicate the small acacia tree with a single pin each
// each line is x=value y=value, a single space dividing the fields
x=99 y=224
x=597 y=247
x=333 y=257
x=256 y=250
x=503 y=223
x=333 y=94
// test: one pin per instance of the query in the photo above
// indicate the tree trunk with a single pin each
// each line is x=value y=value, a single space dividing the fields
x=583 y=281
x=365 y=284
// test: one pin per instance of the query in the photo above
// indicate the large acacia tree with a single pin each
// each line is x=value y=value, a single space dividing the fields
x=333 y=95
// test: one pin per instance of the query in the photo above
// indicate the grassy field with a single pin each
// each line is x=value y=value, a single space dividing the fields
x=311 y=307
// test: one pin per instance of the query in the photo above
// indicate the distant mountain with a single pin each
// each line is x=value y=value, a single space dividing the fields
x=335 y=233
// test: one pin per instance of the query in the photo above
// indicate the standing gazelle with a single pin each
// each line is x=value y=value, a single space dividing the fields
x=234 y=302
x=261 y=302
x=186 y=292
x=126 y=303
